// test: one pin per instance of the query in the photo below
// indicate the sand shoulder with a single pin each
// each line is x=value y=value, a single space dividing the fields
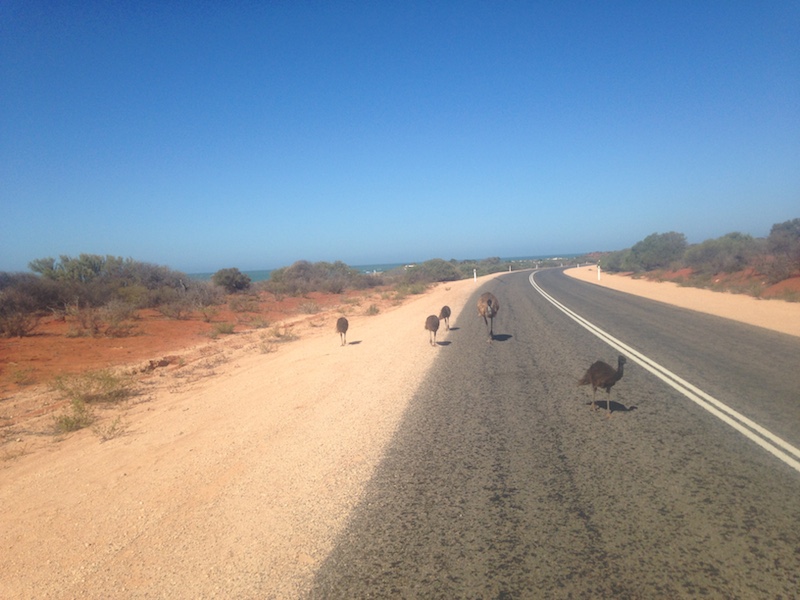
x=236 y=470
x=777 y=315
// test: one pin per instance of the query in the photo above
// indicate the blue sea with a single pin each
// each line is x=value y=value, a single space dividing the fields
x=262 y=275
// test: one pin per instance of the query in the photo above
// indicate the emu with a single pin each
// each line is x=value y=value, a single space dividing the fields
x=487 y=308
x=432 y=325
x=603 y=375
x=444 y=314
x=341 y=329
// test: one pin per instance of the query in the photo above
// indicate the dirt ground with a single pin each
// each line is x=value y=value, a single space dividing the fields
x=235 y=465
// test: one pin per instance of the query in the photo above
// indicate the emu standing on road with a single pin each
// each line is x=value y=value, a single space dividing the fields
x=432 y=325
x=341 y=328
x=445 y=314
x=603 y=375
x=487 y=308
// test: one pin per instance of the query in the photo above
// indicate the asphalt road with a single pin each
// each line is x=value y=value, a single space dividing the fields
x=502 y=482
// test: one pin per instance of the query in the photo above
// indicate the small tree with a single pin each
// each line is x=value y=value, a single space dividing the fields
x=658 y=250
x=784 y=245
x=727 y=254
x=232 y=280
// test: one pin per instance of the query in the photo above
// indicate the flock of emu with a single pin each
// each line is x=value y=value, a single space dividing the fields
x=599 y=375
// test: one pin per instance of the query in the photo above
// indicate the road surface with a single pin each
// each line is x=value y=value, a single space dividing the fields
x=502 y=482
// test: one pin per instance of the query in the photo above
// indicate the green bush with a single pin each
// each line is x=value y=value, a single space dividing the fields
x=783 y=245
x=223 y=328
x=304 y=277
x=727 y=254
x=431 y=271
x=232 y=280
x=657 y=251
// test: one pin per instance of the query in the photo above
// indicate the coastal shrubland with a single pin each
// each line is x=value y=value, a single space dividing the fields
x=303 y=277
x=98 y=295
x=735 y=261
x=102 y=295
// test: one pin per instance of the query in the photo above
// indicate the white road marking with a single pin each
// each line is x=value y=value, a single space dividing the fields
x=753 y=431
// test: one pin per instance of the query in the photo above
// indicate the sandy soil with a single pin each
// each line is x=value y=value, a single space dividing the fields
x=233 y=469
x=771 y=314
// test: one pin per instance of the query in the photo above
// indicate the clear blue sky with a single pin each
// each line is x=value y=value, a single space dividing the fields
x=202 y=135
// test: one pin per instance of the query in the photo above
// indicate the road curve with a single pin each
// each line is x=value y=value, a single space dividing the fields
x=502 y=482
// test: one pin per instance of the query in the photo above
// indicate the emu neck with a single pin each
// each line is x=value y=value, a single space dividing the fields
x=620 y=366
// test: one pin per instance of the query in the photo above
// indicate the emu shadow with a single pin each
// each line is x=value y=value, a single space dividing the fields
x=443 y=343
x=355 y=343
x=501 y=337
x=615 y=406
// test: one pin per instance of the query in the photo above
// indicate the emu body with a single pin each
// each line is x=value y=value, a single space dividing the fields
x=432 y=326
x=341 y=329
x=604 y=376
x=444 y=315
x=487 y=308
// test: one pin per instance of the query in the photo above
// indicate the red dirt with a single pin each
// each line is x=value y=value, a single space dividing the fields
x=787 y=286
x=745 y=281
x=51 y=350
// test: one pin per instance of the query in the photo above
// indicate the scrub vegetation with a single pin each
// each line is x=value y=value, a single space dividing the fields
x=734 y=262
x=101 y=295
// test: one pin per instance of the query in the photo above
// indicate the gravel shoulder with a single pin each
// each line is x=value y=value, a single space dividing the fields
x=233 y=483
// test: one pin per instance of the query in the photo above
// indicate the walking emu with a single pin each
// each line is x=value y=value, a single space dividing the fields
x=487 y=308
x=341 y=329
x=432 y=325
x=444 y=314
x=603 y=375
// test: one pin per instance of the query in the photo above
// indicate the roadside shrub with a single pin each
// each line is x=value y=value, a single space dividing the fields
x=78 y=417
x=232 y=280
x=783 y=244
x=113 y=430
x=115 y=314
x=727 y=254
x=223 y=328
x=309 y=308
x=202 y=294
x=617 y=262
x=244 y=304
x=208 y=313
x=95 y=280
x=94 y=387
x=431 y=271
x=136 y=295
x=177 y=309
x=18 y=316
x=85 y=321
x=303 y=277
x=404 y=290
x=657 y=251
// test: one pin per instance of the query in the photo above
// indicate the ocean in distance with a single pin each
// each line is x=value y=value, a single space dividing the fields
x=262 y=275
